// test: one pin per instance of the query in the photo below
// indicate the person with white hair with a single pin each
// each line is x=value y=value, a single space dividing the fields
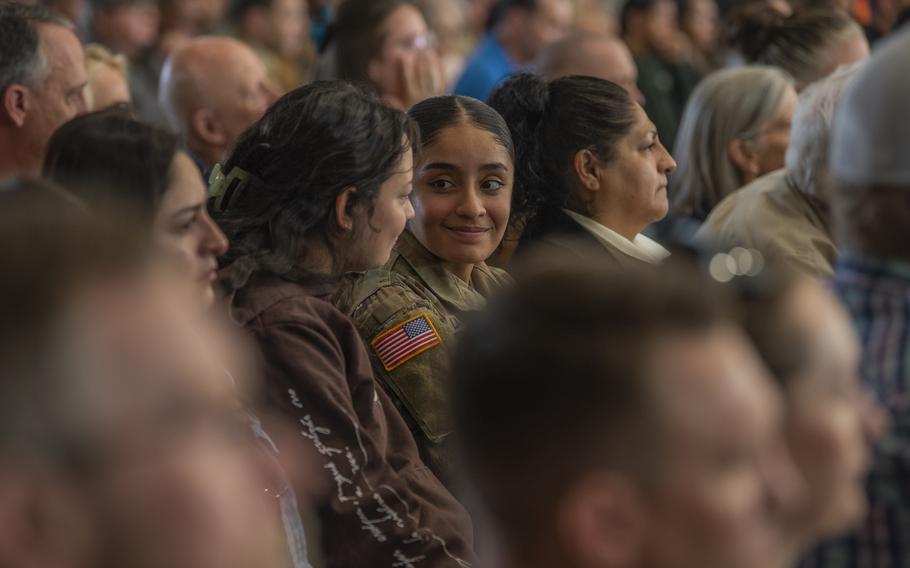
x=786 y=213
x=736 y=127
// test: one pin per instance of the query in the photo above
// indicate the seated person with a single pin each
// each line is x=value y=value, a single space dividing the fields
x=317 y=188
x=736 y=127
x=462 y=195
x=621 y=419
x=590 y=166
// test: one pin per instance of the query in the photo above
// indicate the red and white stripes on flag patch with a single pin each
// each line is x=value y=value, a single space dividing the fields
x=405 y=341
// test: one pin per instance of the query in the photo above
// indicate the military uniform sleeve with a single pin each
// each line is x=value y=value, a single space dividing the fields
x=379 y=513
x=410 y=339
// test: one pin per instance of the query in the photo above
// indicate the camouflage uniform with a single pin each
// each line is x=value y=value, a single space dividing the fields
x=412 y=289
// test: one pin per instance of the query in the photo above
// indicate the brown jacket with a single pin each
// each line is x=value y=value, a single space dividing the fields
x=771 y=215
x=386 y=508
x=414 y=284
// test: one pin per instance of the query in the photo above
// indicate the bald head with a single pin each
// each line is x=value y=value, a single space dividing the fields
x=604 y=57
x=212 y=89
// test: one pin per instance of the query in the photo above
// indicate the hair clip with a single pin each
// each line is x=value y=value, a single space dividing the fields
x=223 y=189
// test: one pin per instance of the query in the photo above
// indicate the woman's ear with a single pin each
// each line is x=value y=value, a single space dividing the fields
x=343 y=217
x=587 y=167
x=743 y=155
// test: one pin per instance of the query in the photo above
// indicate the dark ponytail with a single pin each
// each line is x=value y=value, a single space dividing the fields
x=550 y=122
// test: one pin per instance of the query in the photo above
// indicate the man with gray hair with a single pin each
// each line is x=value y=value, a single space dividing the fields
x=786 y=213
x=212 y=89
x=870 y=167
x=42 y=76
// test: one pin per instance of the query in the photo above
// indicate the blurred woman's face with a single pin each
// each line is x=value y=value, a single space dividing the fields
x=463 y=195
x=405 y=34
x=185 y=233
x=632 y=190
x=831 y=422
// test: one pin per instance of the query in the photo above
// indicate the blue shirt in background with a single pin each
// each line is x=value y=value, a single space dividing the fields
x=487 y=67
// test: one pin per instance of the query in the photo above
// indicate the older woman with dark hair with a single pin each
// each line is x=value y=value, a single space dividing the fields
x=590 y=165
x=317 y=188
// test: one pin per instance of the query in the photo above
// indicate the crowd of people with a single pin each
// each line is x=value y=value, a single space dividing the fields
x=453 y=283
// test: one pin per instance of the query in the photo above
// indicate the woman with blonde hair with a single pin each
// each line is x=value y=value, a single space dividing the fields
x=735 y=128
x=107 y=81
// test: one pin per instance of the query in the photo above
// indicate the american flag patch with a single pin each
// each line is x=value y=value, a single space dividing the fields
x=405 y=341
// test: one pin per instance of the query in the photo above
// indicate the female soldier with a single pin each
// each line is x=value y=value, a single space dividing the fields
x=590 y=166
x=319 y=187
x=408 y=311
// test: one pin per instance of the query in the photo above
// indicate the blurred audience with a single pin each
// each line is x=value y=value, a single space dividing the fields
x=601 y=56
x=700 y=21
x=870 y=167
x=519 y=30
x=589 y=166
x=786 y=214
x=42 y=79
x=130 y=28
x=448 y=22
x=120 y=443
x=107 y=78
x=437 y=274
x=653 y=432
x=808 y=45
x=155 y=186
x=597 y=16
x=278 y=30
x=387 y=45
x=736 y=127
x=318 y=188
x=212 y=89
x=807 y=341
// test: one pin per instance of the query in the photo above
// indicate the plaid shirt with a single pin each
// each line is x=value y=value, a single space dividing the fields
x=877 y=295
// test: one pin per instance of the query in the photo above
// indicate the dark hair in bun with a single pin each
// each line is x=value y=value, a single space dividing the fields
x=550 y=122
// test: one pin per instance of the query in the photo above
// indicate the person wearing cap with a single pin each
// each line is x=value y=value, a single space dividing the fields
x=786 y=213
x=41 y=83
x=870 y=165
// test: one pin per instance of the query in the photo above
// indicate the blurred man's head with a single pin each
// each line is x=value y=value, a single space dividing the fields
x=621 y=420
x=212 y=89
x=281 y=25
x=604 y=57
x=649 y=25
x=870 y=156
x=42 y=77
x=526 y=27
x=125 y=26
x=122 y=443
